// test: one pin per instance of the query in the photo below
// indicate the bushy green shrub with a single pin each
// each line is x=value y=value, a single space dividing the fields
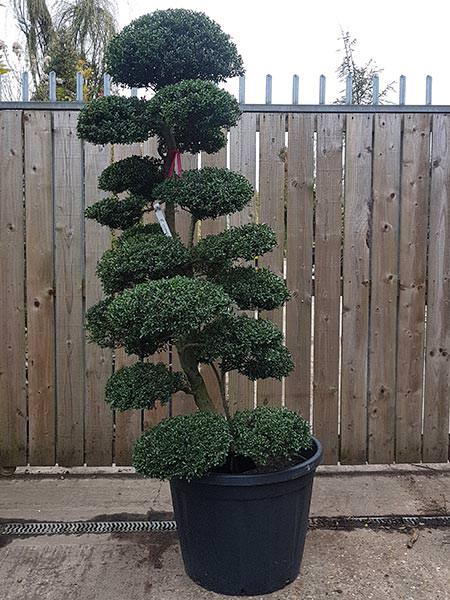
x=141 y=385
x=191 y=446
x=115 y=120
x=117 y=213
x=163 y=293
x=97 y=324
x=138 y=258
x=146 y=317
x=169 y=46
x=246 y=242
x=186 y=446
x=207 y=193
x=137 y=174
x=196 y=114
x=253 y=288
x=268 y=434
x=253 y=347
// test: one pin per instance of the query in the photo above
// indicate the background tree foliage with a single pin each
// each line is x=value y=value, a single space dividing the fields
x=362 y=74
x=66 y=36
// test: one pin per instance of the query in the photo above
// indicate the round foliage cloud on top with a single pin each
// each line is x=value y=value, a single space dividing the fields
x=168 y=46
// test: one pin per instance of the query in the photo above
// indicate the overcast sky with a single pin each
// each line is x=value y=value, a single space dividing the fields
x=287 y=37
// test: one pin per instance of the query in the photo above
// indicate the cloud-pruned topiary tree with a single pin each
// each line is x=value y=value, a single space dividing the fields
x=159 y=291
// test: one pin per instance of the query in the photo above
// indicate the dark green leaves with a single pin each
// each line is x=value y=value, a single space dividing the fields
x=186 y=446
x=161 y=292
x=167 y=46
x=268 y=435
x=137 y=174
x=190 y=446
x=207 y=193
x=138 y=258
x=116 y=213
x=254 y=288
x=252 y=347
x=146 y=317
x=115 y=120
x=97 y=324
x=245 y=242
x=195 y=112
x=141 y=385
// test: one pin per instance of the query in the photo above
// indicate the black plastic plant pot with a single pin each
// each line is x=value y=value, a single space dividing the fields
x=244 y=535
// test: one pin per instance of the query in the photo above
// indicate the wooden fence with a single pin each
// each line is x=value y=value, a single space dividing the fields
x=359 y=200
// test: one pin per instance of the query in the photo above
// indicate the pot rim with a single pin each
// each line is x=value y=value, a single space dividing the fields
x=298 y=470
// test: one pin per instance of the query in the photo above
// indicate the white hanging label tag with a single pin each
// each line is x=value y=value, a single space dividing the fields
x=161 y=219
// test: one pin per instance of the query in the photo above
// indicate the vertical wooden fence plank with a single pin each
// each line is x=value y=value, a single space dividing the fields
x=40 y=291
x=219 y=159
x=69 y=276
x=13 y=401
x=271 y=197
x=128 y=423
x=384 y=278
x=300 y=210
x=327 y=280
x=437 y=362
x=412 y=281
x=243 y=160
x=183 y=403
x=98 y=415
x=211 y=227
x=156 y=414
x=355 y=309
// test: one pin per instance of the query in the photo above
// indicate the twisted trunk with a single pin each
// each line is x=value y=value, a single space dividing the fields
x=190 y=367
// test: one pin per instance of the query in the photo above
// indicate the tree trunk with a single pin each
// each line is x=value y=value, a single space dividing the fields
x=196 y=382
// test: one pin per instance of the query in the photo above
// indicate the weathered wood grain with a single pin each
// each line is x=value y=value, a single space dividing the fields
x=48 y=253
x=437 y=354
x=327 y=279
x=128 y=423
x=272 y=152
x=98 y=415
x=299 y=250
x=384 y=288
x=219 y=159
x=355 y=304
x=13 y=400
x=39 y=284
x=211 y=227
x=241 y=390
x=412 y=284
x=69 y=279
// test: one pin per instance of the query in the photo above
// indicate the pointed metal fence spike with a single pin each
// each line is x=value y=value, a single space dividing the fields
x=295 y=89
x=268 y=89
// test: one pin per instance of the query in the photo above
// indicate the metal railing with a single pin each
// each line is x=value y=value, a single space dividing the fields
x=268 y=106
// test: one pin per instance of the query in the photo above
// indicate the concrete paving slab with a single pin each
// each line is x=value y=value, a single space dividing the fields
x=338 y=564
x=359 y=564
x=352 y=492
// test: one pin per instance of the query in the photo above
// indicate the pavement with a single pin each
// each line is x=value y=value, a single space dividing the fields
x=365 y=564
